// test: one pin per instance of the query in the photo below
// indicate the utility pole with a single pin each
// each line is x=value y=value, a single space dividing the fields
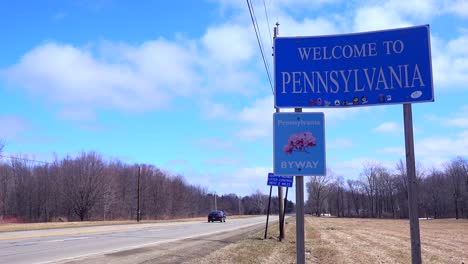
x=138 y=193
x=280 y=189
x=216 y=205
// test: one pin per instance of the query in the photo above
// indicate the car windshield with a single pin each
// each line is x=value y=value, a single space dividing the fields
x=215 y=212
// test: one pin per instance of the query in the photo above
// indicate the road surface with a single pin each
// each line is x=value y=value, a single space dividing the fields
x=135 y=243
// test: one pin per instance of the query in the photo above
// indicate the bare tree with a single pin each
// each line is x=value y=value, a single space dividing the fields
x=318 y=190
x=457 y=172
x=369 y=181
x=84 y=183
x=435 y=194
x=5 y=189
x=353 y=187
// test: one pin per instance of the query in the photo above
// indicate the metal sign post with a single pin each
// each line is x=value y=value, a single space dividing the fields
x=280 y=181
x=300 y=240
x=280 y=213
x=299 y=149
x=285 y=203
x=268 y=213
x=412 y=186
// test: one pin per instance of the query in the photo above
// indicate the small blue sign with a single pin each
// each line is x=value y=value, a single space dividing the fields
x=361 y=69
x=281 y=181
x=299 y=144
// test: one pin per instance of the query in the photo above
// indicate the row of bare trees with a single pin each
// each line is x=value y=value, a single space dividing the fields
x=88 y=188
x=381 y=193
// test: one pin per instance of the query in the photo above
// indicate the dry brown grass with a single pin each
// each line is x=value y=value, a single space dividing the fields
x=338 y=240
x=11 y=227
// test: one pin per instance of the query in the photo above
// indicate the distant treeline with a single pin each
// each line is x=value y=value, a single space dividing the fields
x=384 y=194
x=88 y=188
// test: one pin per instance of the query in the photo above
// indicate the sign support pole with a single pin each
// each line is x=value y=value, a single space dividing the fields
x=268 y=213
x=412 y=186
x=300 y=244
x=285 y=204
x=280 y=213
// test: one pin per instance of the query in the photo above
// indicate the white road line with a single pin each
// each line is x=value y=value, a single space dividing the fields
x=146 y=244
x=156 y=230
x=68 y=239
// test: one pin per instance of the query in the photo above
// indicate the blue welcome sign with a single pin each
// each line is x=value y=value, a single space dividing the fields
x=299 y=144
x=362 y=69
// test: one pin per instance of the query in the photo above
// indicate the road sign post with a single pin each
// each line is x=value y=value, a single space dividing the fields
x=299 y=149
x=361 y=69
x=268 y=213
x=280 y=181
x=412 y=186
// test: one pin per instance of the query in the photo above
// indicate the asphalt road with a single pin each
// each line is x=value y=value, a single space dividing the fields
x=61 y=245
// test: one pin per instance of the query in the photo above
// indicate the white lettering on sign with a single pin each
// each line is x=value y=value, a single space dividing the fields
x=299 y=122
x=335 y=81
x=338 y=52
x=299 y=164
x=402 y=76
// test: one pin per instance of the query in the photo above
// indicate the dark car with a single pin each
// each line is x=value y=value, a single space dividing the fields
x=216 y=216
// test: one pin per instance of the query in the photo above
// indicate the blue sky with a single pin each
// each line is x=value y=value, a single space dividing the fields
x=182 y=85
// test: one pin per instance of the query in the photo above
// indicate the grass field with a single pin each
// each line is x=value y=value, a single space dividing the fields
x=337 y=240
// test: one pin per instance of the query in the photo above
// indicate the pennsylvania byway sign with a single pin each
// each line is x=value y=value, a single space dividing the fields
x=299 y=144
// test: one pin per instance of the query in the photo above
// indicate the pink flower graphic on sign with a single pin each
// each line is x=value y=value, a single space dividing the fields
x=299 y=142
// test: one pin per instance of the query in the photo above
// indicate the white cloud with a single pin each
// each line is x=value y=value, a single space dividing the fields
x=377 y=18
x=139 y=77
x=457 y=7
x=257 y=120
x=461 y=121
x=73 y=76
x=11 y=127
x=308 y=27
x=241 y=181
x=59 y=16
x=212 y=110
x=437 y=150
x=229 y=44
x=247 y=180
x=351 y=168
x=340 y=143
x=450 y=62
x=225 y=161
x=389 y=127
x=393 y=150
x=77 y=114
x=215 y=144
x=458 y=119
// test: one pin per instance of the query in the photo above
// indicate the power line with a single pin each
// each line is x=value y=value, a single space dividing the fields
x=268 y=22
x=260 y=45
x=24 y=159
